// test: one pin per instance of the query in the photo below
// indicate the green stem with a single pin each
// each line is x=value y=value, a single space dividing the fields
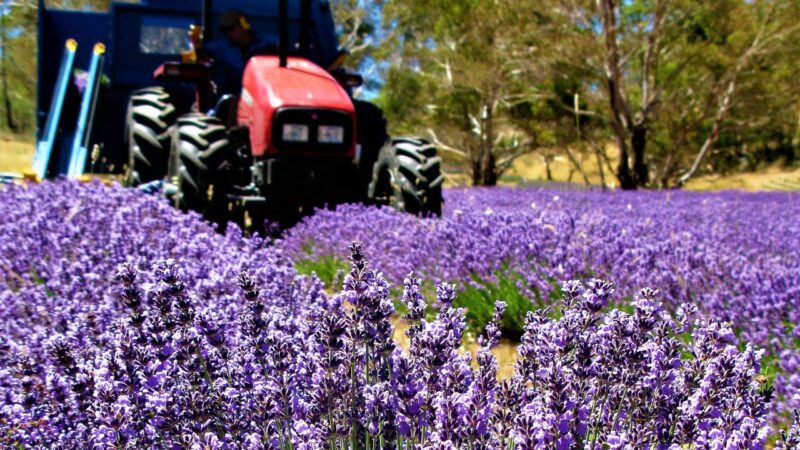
x=597 y=427
x=330 y=428
x=366 y=382
x=281 y=436
x=619 y=408
x=205 y=369
x=352 y=406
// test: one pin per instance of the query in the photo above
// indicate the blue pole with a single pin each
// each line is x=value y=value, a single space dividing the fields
x=83 y=129
x=44 y=147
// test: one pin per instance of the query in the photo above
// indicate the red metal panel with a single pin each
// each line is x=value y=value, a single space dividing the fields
x=268 y=87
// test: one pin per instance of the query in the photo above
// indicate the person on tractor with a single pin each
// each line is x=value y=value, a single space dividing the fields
x=230 y=55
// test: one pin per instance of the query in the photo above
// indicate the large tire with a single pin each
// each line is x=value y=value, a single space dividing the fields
x=199 y=150
x=371 y=135
x=151 y=114
x=408 y=176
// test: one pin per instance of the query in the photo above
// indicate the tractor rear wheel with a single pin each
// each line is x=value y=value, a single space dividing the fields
x=408 y=176
x=151 y=113
x=199 y=151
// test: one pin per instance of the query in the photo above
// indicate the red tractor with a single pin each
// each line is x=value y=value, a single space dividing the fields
x=292 y=139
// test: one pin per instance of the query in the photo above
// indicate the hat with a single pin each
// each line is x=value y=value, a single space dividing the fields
x=230 y=19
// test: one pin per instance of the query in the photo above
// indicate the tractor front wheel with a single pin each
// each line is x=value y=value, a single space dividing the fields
x=408 y=176
x=151 y=113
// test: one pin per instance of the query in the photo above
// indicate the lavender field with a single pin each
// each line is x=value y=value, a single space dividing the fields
x=127 y=324
x=733 y=255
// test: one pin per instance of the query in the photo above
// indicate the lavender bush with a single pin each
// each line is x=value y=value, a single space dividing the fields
x=330 y=376
x=126 y=324
x=733 y=255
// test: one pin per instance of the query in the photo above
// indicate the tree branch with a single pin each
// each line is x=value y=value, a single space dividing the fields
x=650 y=66
x=724 y=105
x=505 y=163
x=444 y=147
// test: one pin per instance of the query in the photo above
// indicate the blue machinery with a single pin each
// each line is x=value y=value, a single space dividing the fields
x=139 y=37
x=44 y=146
x=83 y=128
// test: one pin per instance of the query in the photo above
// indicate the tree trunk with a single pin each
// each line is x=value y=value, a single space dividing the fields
x=619 y=110
x=484 y=166
x=488 y=162
x=600 y=167
x=547 y=161
x=475 y=162
x=577 y=165
x=489 y=172
x=10 y=122
x=638 y=144
x=666 y=174
x=623 y=169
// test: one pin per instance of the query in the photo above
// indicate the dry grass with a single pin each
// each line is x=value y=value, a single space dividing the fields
x=505 y=352
x=774 y=178
x=531 y=169
x=16 y=154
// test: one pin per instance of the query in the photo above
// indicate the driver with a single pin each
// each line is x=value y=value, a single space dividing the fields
x=231 y=54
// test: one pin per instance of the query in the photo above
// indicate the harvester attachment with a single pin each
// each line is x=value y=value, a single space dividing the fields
x=80 y=144
x=44 y=147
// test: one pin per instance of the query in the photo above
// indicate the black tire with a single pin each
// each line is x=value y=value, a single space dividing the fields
x=408 y=176
x=151 y=114
x=199 y=150
x=371 y=135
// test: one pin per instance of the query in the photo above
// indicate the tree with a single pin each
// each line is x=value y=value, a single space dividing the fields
x=465 y=86
x=670 y=71
x=764 y=42
x=4 y=49
x=360 y=33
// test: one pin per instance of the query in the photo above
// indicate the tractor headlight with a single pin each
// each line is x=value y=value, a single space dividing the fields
x=327 y=134
x=293 y=132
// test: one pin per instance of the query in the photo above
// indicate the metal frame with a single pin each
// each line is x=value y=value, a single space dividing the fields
x=83 y=128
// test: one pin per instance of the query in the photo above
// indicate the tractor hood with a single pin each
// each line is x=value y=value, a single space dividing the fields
x=267 y=87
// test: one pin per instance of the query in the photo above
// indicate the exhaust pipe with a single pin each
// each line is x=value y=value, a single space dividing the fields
x=305 y=27
x=283 y=43
x=206 y=24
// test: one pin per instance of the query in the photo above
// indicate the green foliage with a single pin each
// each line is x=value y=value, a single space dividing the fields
x=501 y=77
x=403 y=105
x=478 y=300
x=327 y=268
x=479 y=304
x=358 y=24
